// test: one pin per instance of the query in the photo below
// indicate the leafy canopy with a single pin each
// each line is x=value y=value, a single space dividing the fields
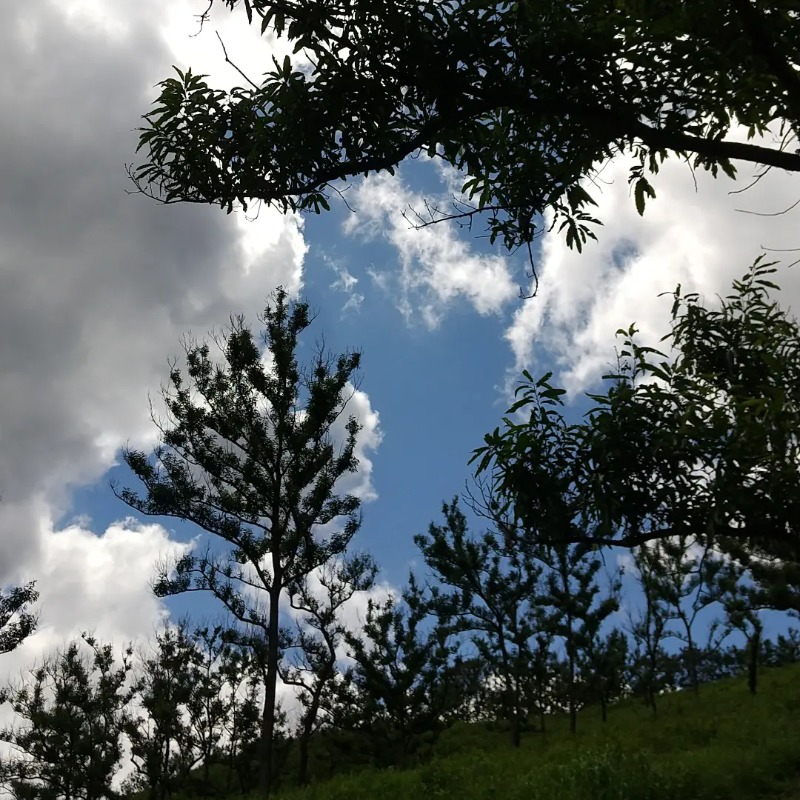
x=526 y=98
x=703 y=445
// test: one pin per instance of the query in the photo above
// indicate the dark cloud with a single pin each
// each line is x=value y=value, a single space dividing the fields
x=97 y=286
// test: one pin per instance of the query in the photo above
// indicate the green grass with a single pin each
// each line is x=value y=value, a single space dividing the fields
x=720 y=744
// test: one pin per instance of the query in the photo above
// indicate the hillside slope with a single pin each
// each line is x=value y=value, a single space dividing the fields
x=719 y=744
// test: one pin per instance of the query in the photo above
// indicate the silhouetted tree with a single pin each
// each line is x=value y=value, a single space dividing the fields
x=315 y=643
x=247 y=454
x=490 y=587
x=397 y=693
x=73 y=710
x=525 y=100
x=703 y=444
x=162 y=746
x=604 y=669
x=16 y=622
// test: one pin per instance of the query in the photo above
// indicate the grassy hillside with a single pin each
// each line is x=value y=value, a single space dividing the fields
x=721 y=743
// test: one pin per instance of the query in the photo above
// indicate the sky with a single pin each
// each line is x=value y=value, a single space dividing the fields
x=98 y=286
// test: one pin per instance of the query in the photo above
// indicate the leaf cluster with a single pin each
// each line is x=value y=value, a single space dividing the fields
x=525 y=98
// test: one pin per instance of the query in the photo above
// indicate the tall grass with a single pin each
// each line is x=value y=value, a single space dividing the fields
x=719 y=744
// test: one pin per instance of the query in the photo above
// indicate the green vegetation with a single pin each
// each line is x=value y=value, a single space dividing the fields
x=528 y=99
x=508 y=665
x=723 y=743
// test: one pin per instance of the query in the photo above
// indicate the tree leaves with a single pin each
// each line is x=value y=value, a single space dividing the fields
x=701 y=444
x=525 y=100
x=642 y=187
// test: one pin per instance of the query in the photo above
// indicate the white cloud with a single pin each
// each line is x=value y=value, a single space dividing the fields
x=436 y=266
x=97 y=288
x=346 y=282
x=695 y=237
x=368 y=440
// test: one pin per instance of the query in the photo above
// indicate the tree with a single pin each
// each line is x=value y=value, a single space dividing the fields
x=703 y=445
x=162 y=749
x=318 y=638
x=16 y=622
x=397 y=693
x=784 y=650
x=684 y=575
x=648 y=626
x=527 y=99
x=243 y=722
x=490 y=586
x=548 y=531
x=211 y=699
x=248 y=455
x=605 y=668
x=543 y=679
x=743 y=603
x=74 y=709
x=574 y=613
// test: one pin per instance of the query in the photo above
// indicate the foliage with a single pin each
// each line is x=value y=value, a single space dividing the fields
x=161 y=745
x=247 y=454
x=651 y=670
x=397 y=691
x=318 y=636
x=526 y=98
x=576 y=611
x=490 y=586
x=73 y=709
x=16 y=622
x=685 y=577
x=604 y=670
x=703 y=445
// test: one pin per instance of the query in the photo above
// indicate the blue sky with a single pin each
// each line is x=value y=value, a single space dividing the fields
x=97 y=288
x=437 y=391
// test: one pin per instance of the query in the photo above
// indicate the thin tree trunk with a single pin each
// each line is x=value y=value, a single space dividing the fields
x=270 y=686
x=752 y=667
x=573 y=711
x=692 y=656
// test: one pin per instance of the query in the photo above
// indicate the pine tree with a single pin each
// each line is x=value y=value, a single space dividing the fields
x=574 y=611
x=73 y=709
x=605 y=667
x=398 y=690
x=648 y=627
x=490 y=587
x=314 y=644
x=162 y=748
x=684 y=572
x=16 y=622
x=247 y=454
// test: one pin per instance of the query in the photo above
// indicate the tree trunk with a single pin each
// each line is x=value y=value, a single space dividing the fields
x=573 y=710
x=752 y=666
x=308 y=723
x=604 y=708
x=270 y=685
x=693 y=659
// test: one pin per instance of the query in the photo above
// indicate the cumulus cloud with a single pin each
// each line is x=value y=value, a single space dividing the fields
x=692 y=235
x=436 y=266
x=101 y=582
x=98 y=286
